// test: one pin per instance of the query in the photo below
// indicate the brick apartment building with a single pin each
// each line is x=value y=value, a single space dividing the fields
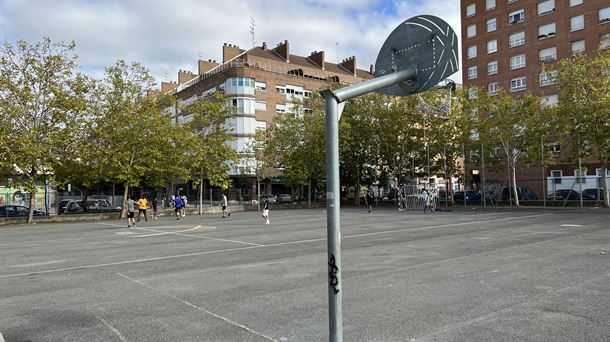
x=505 y=43
x=262 y=83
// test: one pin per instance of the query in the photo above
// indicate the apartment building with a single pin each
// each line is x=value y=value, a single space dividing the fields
x=262 y=83
x=505 y=43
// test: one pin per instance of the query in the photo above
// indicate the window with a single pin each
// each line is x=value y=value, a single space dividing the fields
x=546 y=55
x=546 y=7
x=261 y=125
x=492 y=67
x=548 y=78
x=517 y=84
x=549 y=100
x=491 y=25
x=578 y=47
x=261 y=105
x=471 y=31
x=260 y=86
x=280 y=89
x=546 y=31
x=492 y=88
x=577 y=23
x=604 y=15
x=472 y=72
x=492 y=46
x=471 y=10
x=306 y=94
x=516 y=39
x=280 y=108
x=490 y=4
x=516 y=16
x=604 y=40
x=556 y=175
x=472 y=51
x=575 y=3
x=517 y=62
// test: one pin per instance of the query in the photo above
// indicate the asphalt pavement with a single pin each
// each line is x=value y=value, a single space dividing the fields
x=465 y=275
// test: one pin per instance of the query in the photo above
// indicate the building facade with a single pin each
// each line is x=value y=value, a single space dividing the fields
x=506 y=43
x=261 y=83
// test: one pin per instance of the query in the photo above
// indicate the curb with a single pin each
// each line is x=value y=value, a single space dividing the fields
x=1 y=338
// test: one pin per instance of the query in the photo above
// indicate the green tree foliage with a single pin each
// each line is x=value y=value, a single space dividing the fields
x=584 y=105
x=209 y=156
x=129 y=136
x=299 y=140
x=516 y=124
x=42 y=98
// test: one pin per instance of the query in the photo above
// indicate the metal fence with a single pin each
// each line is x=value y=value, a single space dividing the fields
x=411 y=197
x=44 y=200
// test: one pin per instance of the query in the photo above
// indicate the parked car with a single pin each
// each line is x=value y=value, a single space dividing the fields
x=270 y=197
x=284 y=198
x=471 y=196
x=592 y=194
x=95 y=205
x=565 y=193
x=19 y=211
x=525 y=194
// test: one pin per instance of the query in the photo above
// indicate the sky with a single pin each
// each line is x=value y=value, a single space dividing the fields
x=169 y=35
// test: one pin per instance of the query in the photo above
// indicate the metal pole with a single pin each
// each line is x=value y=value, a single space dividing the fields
x=542 y=166
x=333 y=195
x=464 y=189
x=579 y=182
x=483 y=173
x=333 y=220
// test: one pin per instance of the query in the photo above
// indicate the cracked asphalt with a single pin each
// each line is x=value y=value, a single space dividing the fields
x=465 y=275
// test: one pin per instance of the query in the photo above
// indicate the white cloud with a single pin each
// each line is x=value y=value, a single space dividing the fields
x=166 y=36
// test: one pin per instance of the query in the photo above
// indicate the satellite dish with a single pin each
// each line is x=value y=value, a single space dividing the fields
x=426 y=44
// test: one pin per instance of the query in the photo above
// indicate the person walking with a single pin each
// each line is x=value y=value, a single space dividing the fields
x=178 y=204
x=142 y=204
x=224 y=206
x=131 y=212
x=265 y=214
x=426 y=199
x=153 y=203
x=369 y=200
x=184 y=203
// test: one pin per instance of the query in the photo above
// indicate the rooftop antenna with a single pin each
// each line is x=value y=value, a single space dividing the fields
x=337 y=52
x=252 y=26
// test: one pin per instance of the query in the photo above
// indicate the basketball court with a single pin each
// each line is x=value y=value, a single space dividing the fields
x=465 y=275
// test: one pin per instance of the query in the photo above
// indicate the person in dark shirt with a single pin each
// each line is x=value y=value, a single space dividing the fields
x=369 y=200
x=265 y=214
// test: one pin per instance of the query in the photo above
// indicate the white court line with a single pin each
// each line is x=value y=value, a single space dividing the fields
x=113 y=329
x=571 y=225
x=250 y=330
x=251 y=247
x=163 y=233
x=196 y=236
x=40 y=263
x=111 y=224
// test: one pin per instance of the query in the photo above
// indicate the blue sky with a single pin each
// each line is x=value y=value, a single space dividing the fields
x=166 y=35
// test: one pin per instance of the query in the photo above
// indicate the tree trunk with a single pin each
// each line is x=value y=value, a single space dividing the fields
x=604 y=184
x=309 y=194
x=514 y=177
x=32 y=203
x=258 y=194
x=201 y=192
x=124 y=211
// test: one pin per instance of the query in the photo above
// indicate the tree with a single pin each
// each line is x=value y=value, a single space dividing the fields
x=584 y=103
x=42 y=97
x=262 y=158
x=517 y=124
x=209 y=156
x=129 y=136
x=298 y=138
